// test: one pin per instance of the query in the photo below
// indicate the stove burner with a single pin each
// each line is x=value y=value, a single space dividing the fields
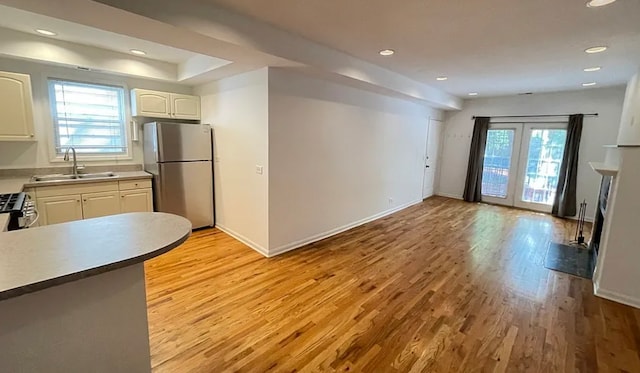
x=12 y=202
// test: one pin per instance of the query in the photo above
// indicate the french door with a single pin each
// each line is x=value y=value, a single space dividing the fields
x=522 y=164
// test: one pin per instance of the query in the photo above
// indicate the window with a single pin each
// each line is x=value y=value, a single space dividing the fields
x=497 y=162
x=88 y=117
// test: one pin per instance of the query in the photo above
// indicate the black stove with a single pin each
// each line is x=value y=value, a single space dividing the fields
x=12 y=202
x=22 y=211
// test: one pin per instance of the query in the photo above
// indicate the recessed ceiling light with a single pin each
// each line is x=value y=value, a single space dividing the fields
x=45 y=32
x=592 y=69
x=138 y=52
x=442 y=78
x=596 y=49
x=387 y=52
x=597 y=3
x=473 y=94
x=588 y=84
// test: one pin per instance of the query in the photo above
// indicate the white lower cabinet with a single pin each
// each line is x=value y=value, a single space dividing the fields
x=60 y=204
x=140 y=200
x=59 y=209
x=95 y=205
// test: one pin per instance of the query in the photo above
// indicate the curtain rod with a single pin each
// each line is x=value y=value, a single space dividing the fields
x=535 y=122
x=537 y=116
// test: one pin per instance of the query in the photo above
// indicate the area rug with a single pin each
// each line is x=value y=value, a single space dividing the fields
x=574 y=260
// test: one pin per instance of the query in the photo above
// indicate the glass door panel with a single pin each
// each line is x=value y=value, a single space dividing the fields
x=497 y=163
x=500 y=163
x=540 y=166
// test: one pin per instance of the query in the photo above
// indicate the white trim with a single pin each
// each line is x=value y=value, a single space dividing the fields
x=332 y=232
x=614 y=296
x=588 y=219
x=243 y=239
x=449 y=195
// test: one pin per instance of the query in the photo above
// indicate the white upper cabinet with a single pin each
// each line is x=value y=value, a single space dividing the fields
x=156 y=104
x=145 y=103
x=16 y=106
x=185 y=106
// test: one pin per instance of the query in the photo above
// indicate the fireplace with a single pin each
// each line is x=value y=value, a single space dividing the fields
x=598 y=222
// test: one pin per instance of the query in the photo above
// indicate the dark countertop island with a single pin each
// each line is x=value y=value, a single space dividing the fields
x=38 y=258
x=72 y=295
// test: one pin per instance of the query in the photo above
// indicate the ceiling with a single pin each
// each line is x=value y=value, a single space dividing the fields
x=84 y=46
x=493 y=47
x=20 y=20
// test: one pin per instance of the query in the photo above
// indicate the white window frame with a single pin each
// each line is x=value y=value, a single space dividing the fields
x=54 y=157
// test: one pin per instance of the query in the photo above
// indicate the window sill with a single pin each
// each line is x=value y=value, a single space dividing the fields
x=88 y=159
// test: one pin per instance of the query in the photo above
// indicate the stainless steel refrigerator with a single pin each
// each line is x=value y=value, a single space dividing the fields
x=179 y=158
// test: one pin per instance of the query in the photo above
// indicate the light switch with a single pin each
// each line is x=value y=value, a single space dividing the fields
x=259 y=169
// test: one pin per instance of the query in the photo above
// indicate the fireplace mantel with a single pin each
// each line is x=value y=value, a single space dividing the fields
x=604 y=169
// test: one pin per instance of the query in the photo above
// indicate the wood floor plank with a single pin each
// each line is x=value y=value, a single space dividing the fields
x=443 y=286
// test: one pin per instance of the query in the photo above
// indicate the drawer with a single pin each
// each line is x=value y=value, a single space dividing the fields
x=79 y=188
x=135 y=184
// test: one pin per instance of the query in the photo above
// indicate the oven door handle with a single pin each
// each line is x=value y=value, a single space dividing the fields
x=35 y=219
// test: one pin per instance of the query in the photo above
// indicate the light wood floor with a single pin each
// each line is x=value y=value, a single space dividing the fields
x=443 y=286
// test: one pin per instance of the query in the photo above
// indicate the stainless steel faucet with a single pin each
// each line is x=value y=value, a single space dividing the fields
x=75 y=161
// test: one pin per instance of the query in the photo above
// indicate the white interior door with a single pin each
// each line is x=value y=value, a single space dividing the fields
x=522 y=163
x=434 y=131
x=500 y=167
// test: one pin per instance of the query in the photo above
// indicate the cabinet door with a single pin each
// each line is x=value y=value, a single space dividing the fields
x=136 y=200
x=16 y=106
x=95 y=205
x=153 y=104
x=185 y=106
x=59 y=209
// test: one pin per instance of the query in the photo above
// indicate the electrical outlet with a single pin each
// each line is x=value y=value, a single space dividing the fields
x=259 y=169
x=390 y=201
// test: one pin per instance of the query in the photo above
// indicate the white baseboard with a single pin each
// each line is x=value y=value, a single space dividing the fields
x=588 y=219
x=457 y=196
x=614 y=296
x=244 y=240
x=449 y=195
x=332 y=232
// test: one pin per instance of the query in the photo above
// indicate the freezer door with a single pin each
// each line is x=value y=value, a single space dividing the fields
x=185 y=189
x=150 y=147
x=183 y=142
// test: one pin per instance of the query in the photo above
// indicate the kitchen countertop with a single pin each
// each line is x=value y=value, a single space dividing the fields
x=37 y=258
x=17 y=184
x=126 y=175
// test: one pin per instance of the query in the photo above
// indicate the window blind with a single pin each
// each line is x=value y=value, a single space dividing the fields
x=88 y=117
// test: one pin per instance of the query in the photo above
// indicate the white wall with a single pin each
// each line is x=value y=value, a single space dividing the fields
x=237 y=109
x=630 y=123
x=336 y=156
x=37 y=154
x=597 y=131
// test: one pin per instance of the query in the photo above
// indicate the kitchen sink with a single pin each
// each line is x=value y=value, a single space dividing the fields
x=96 y=175
x=61 y=177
